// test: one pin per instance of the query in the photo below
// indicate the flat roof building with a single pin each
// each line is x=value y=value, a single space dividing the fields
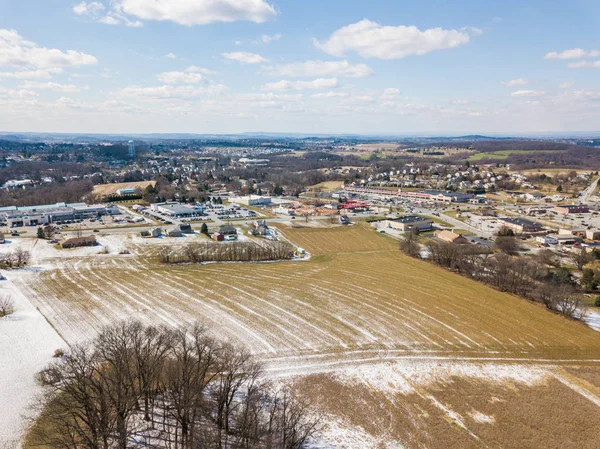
x=566 y=209
x=520 y=225
x=408 y=223
x=176 y=209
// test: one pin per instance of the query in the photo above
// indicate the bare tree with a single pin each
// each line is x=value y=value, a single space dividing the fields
x=409 y=244
x=507 y=244
x=115 y=347
x=7 y=306
x=581 y=258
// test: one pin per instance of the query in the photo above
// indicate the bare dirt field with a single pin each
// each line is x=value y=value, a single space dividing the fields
x=111 y=189
x=394 y=351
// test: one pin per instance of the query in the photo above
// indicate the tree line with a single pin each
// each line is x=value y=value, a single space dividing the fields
x=226 y=252
x=156 y=387
x=15 y=259
x=537 y=277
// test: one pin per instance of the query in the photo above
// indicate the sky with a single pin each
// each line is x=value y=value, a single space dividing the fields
x=300 y=66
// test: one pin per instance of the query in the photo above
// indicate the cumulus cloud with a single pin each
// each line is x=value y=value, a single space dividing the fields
x=172 y=92
x=285 y=85
x=18 y=52
x=573 y=53
x=195 y=69
x=372 y=40
x=270 y=38
x=244 y=57
x=515 y=82
x=39 y=74
x=584 y=65
x=88 y=8
x=180 y=78
x=96 y=11
x=527 y=93
x=390 y=93
x=16 y=93
x=321 y=68
x=330 y=94
x=55 y=87
x=171 y=56
x=198 y=12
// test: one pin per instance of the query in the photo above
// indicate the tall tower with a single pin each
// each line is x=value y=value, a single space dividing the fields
x=131 y=148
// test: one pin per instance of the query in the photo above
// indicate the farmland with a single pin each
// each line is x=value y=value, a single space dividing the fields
x=503 y=154
x=111 y=189
x=358 y=308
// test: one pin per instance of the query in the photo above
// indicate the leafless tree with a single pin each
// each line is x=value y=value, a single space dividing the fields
x=507 y=244
x=581 y=258
x=7 y=306
x=548 y=257
x=409 y=244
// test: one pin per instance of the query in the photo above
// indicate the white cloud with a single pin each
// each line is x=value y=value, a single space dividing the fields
x=566 y=85
x=88 y=8
x=55 y=87
x=321 y=68
x=198 y=12
x=285 y=85
x=180 y=78
x=330 y=94
x=573 y=53
x=95 y=11
x=114 y=18
x=515 y=82
x=390 y=93
x=171 y=56
x=171 y=92
x=195 y=69
x=527 y=93
x=17 y=52
x=584 y=65
x=244 y=57
x=371 y=40
x=460 y=102
x=270 y=96
x=16 y=93
x=267 y=39
x=39 y=74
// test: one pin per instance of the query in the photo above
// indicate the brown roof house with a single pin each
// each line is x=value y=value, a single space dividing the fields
x=75 y=242
x=451 y=237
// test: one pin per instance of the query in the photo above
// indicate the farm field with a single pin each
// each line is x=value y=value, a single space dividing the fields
x=327 y=186
x=503 y=154
x=111 y=189
x=378 y=340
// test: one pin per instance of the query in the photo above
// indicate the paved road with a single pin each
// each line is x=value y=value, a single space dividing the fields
x=586 y=195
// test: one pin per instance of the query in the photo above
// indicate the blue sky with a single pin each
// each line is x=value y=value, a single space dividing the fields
x=226 y=66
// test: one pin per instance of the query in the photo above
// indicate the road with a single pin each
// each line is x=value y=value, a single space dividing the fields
x=586 y=195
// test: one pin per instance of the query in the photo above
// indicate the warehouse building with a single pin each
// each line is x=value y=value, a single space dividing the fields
x=408 y=223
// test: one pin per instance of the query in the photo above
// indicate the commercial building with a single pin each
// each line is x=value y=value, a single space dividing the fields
x=428 y=195
x=52 y=213
x=562 y=239
x=176 y=209
x=451 y=237
x=76 y=242
x=126 y=191
x=566 y=209
x=520 y=225
x=408 y=223
x=252 y=200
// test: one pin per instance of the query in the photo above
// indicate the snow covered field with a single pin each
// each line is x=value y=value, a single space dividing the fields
x=358 y=315
x=27 y=343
